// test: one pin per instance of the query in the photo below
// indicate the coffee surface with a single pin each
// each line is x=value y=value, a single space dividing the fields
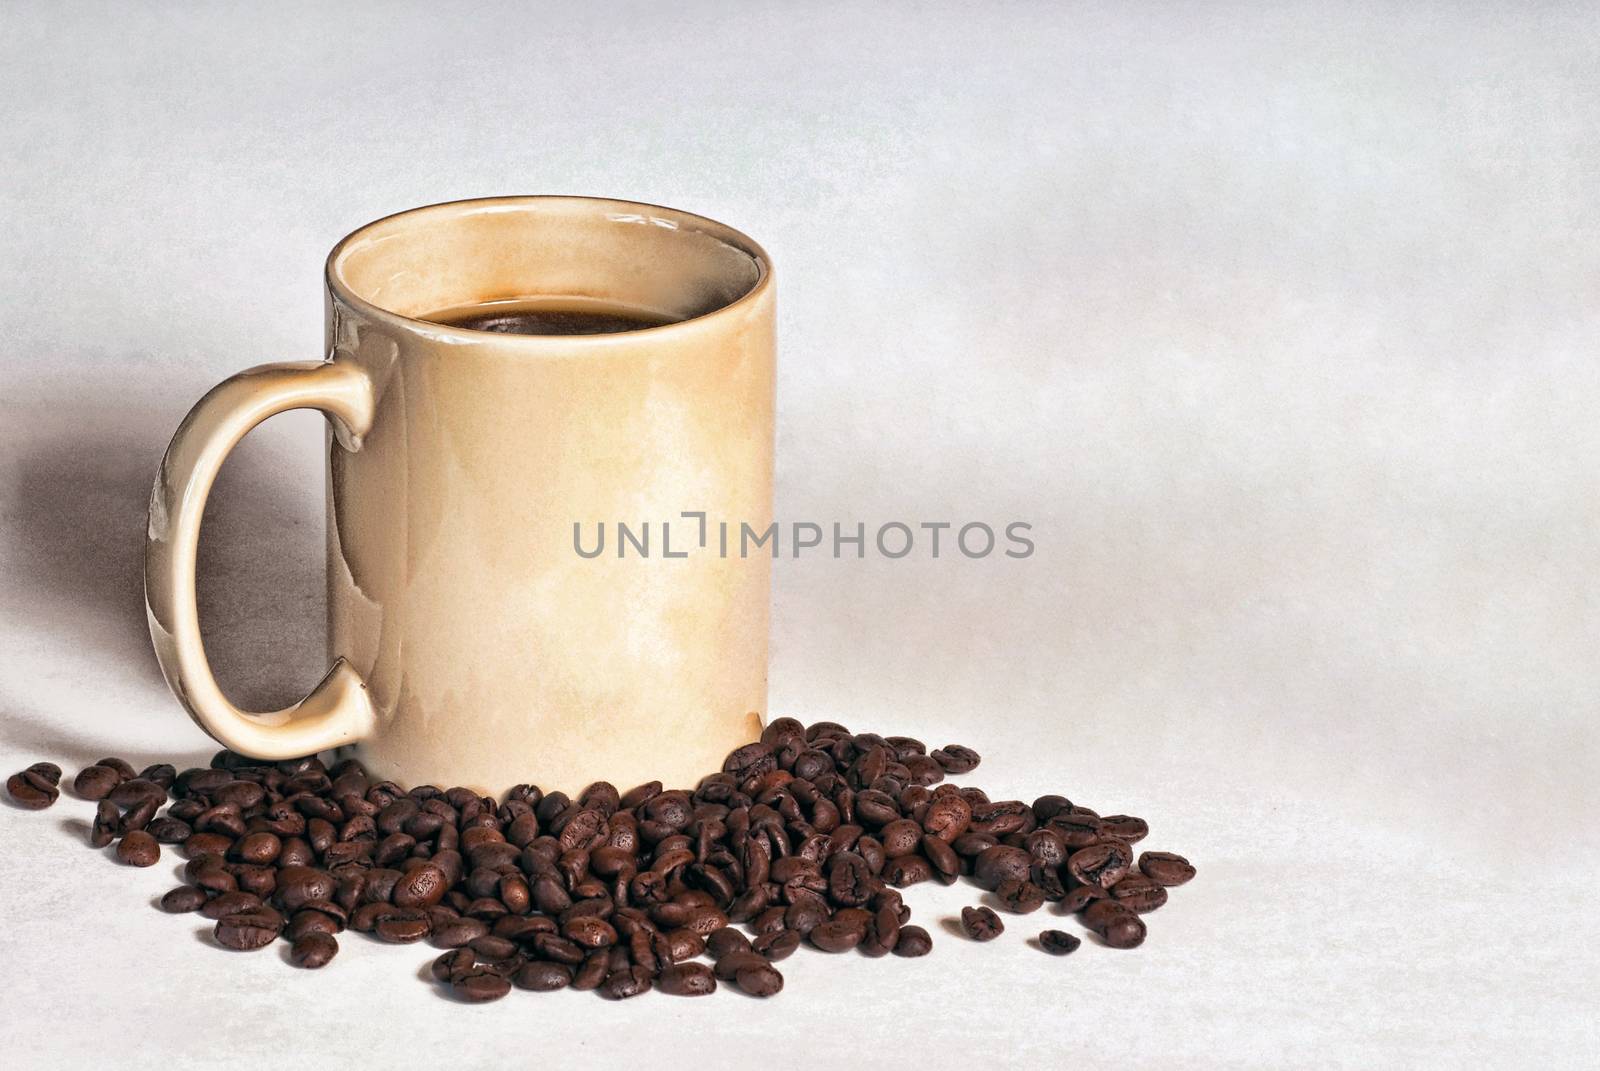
x=549 y=316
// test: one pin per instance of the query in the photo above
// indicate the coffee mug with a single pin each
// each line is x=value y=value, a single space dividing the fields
x=472 y=642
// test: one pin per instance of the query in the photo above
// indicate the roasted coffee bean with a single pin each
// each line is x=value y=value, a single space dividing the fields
x=1139 y=892
x=423 y=886
x=625 y=982
x=1124 y=827
x=309 y=921
x=981 y=923
x=1081 y=896
x=313 y=950
x=759 y=981
x=123 y=771
x=230 y=903
x=96 y=782
x=837 y=935
x=1001 y=863
x=914 y=941
x=132 y=793
x=183 y=899
x=1102 y=864
x=1019 y=897
x=258 y=848
x=107 y=822
x=479 y=985
x=956 y=759
x=138 y=848
x=458 y=932
x=1117 y=926
x=247 y=930
x=1166 y=868
x=777 y=945
x=687 y=980
x=167 y=830
x=543 y=977
x=401 y=925
x=1058 y=942
x=36 y=787
x=726 y=940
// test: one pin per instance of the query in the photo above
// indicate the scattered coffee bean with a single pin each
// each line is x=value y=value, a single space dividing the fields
x=247 y=930
x=183 y=899
x=36 y=787
x=1059 y=942
x=759 y=981
x=687 y=980
x=914 y=941
x=1166 y=868
x=138 y=848
x=313 y=950
x=478 y=986
x=981 y=923
x=96 y=782
x=1019 y=896
x=542 y=976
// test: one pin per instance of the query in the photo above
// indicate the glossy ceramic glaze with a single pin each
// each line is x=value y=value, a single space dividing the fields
x=474 y=645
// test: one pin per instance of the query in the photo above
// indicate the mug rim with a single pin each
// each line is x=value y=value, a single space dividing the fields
x=343 y=292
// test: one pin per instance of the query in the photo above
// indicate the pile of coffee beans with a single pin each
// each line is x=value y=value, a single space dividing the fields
x=805 y=837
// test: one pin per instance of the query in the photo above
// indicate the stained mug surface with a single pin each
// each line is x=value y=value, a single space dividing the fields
x=473 y=643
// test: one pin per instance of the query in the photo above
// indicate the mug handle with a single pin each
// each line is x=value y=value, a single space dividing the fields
x=338 y=710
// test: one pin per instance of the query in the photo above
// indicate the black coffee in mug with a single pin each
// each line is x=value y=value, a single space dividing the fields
x=549 y=316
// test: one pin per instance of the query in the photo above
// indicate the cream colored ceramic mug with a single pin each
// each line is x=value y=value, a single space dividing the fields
x=472 y=643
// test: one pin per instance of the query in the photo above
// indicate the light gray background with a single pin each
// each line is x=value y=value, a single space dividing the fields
x=1278 y=322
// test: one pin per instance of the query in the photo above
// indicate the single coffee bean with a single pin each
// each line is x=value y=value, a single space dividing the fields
x=760 y=981
x=313 y=950
x=728 y=967
x=687 y=980
x=138 y=848
x=543 y=977
x=1102 y=864
x=914 y=941
x=1001 y=863
x=96 y=782
x=1166 y=868
x=1124 y=827
x=167 y=830
x=1116 y=924
x=184 y=898
x=1141 y=893
x=981 y=923
x=458 y=932
x=123 y=770
x=107 y=823
x=400 y=925
x=230 y=903
x=449 y=964
x=1019 y=897
x=423 y=886
x=726 y=940
x=1081 y=896
x=780 y=944
x=625 y=982
x=837 y=936
x=247 y=930
x=1058 y=942
x=478 y=986
x=956 y=759
x=35 y=788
